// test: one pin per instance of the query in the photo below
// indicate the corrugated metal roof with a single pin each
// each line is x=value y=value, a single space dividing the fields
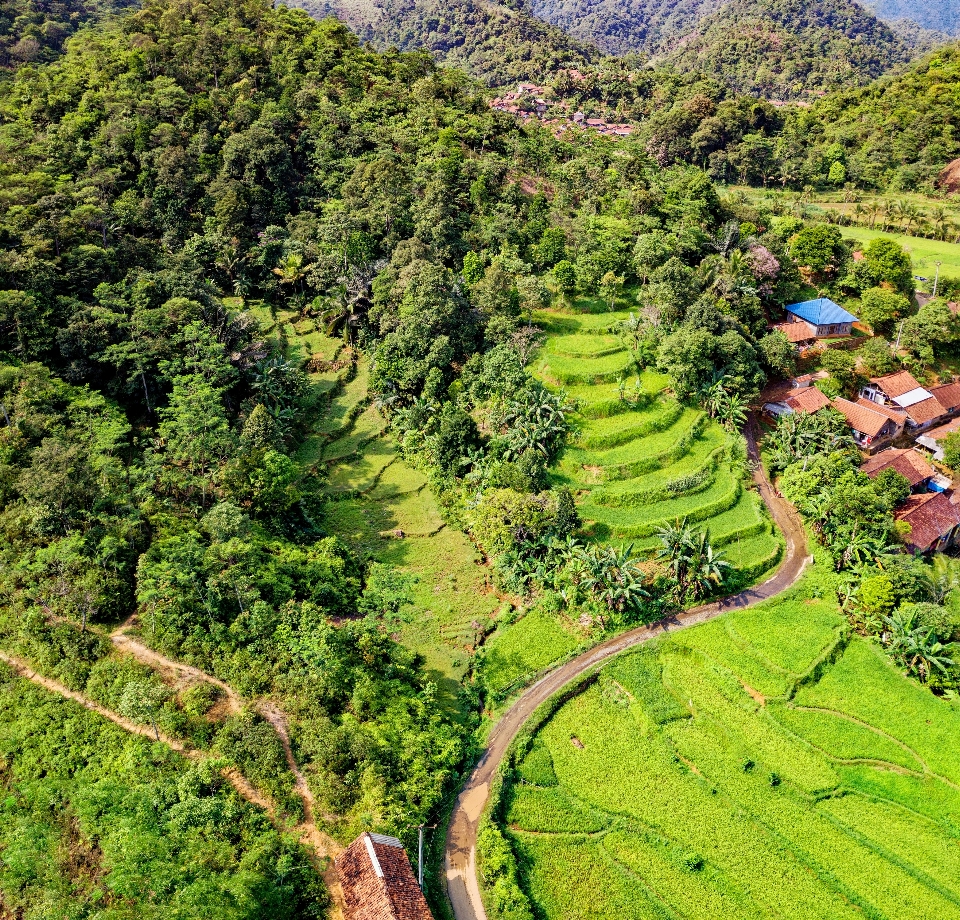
x=821 y=312
x=912 y=397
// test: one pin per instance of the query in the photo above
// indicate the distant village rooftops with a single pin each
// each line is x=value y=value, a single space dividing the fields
x=378 y=882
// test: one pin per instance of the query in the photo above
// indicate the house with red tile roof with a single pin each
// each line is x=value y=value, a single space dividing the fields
x=905 y=461
x=873 y=426
x=933 y=440
x=903 y=391
x=799 y=334
x=934 y=522
x=378 y=882
x=808 y=399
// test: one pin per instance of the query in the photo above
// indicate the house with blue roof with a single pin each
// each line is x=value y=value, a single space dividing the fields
x=823 y=317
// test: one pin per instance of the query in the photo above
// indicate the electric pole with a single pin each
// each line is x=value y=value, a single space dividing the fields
x=936 y=280
x=420 y=858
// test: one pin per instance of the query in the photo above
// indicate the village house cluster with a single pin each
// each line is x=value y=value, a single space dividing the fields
x=531 y=102
x=894 y=409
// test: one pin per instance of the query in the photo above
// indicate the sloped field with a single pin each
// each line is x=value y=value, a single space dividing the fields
x=718 y=773
x=640 y=460
x=384 y=508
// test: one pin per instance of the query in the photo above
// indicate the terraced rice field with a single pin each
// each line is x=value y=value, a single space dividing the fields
x=382 y=506
x=719 y=773
x=640 y=460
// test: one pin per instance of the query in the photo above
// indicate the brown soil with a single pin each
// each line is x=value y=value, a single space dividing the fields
x=949 y=178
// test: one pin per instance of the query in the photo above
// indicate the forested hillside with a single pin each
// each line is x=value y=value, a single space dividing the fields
x=32 y=31
x=939 y=15
x=494 y=42
x=789 y=49
x=622 y=27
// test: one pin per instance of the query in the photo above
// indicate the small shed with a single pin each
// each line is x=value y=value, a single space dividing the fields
x=378 y=881
x=827 y=319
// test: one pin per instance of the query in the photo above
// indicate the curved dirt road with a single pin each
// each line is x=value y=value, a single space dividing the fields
x=460 y=856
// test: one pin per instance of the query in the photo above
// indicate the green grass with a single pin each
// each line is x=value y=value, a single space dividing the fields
x=374 y=497
x=645 y=520
x=584 y=345
x=520 y=650
x=657 y=798
x=638 y=463
x=923 y=252
x=638 y=452
x=603 y=369
x=598 y=434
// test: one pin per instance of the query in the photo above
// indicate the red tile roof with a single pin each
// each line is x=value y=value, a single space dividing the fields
x=908 y=463
x=809 y=400
x=948 y=395
x=897 y=415
x=894 y=385
x=931 y=517
x=796 y=332
x=862 y=416
x=926 y=411
x=377 y=881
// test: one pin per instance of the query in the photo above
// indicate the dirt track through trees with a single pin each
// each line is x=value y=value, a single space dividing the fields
x=460 y=856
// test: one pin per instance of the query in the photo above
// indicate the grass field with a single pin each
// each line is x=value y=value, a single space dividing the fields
x=384 y=508
x=717 y=773
x=923 y=252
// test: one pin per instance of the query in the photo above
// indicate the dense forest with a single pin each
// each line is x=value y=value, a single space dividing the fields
x=32 y=31
x=789 y=49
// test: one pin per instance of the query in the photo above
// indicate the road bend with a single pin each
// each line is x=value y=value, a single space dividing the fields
x=461 y=845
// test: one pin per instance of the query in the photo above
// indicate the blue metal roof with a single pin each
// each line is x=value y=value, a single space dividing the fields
x=822 y=312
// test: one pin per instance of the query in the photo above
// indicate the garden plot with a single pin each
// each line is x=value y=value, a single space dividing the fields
x=672 y=788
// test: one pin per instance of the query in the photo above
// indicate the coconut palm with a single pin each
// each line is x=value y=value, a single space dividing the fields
x=291 y=270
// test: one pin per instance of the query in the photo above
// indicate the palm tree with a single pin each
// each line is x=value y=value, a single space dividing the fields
x=706 y=567
x=675 y=540
x=732 y=411
x=291 y=270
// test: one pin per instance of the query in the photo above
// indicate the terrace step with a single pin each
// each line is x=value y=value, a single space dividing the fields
x=613 y=431
x=645 y=521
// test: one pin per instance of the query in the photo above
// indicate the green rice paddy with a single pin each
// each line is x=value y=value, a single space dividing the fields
x=719 y=774
x=639 y=460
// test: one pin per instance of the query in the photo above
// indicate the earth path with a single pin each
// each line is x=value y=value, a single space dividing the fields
x=308 y=831
x=463 y=888
x=233 y=776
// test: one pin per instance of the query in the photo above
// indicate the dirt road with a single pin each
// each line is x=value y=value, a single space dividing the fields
x=461 y=873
